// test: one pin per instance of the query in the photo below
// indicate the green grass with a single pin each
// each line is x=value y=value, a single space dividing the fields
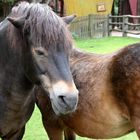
x=34 y=129
x=105 y=45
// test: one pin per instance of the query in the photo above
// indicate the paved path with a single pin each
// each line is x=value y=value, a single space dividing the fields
x=114 y=33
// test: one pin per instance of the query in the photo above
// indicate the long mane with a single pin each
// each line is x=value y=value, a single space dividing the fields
x=46 y=28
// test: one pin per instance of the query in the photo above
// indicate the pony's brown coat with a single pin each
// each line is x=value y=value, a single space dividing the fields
x=109 y=96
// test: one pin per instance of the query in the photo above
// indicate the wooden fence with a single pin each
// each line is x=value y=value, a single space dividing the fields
x=125 y=24
x=97 y=26
x=91 y=26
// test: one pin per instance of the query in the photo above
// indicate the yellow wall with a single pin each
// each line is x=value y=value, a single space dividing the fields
x=85 y=7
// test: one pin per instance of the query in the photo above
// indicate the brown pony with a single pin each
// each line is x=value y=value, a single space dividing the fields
x=109 y=99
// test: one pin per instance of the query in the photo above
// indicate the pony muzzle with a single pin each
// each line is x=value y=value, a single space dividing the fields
x=64 y=98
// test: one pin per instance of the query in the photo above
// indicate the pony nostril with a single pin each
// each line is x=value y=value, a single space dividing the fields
x=68 y=101
x=61 y=98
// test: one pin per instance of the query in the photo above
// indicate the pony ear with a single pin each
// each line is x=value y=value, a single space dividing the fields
x=69 y=19
x=17 y=22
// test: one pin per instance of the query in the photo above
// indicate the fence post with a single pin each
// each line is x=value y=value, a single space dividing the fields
x=104 y=28
x=109 y=26
x=89 y=25
x=125 y=26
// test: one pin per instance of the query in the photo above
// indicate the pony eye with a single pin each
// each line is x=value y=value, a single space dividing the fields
x=39 y=52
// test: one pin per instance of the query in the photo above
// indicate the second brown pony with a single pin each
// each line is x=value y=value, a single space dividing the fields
x=109 y=97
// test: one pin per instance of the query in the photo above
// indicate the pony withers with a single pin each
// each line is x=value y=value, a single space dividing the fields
x=34 y=50
x=109 y=96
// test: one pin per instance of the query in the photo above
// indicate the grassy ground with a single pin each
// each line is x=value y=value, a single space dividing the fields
x=105 y=45
x=34 y=129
